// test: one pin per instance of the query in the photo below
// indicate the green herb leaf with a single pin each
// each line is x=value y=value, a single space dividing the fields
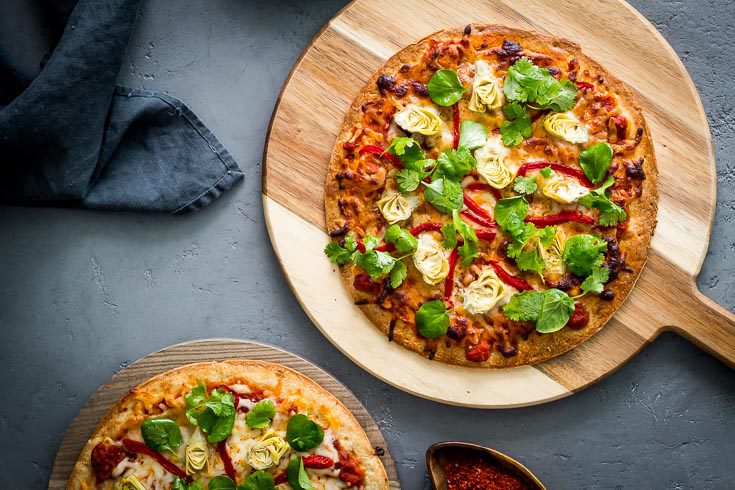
x=559 y=96
x=546 y=172
x=524 y=307
x=195 y=485
x=444 y=194
x=595 y=161
x=445 y=88
x=525 y=82
x=261 y=414
x=468 y=249
x=214 y=415
x=404 y=241
x=221 y=482
x=530 y=260
x=179 y=484
x=546 y=236
x=449 y=233
x=555 y=311
x=409 y=152
x=472 y=135
x=610 y=213
x=455 y=164
x=296 y=475
x=525 y=185
x=432 y=319
x=303 y=434
x=341 y=255
x=398 y=274
x=596 y=280
x=408 y=180
x=583 y=252
x=161 y=434
x=375 y=263
x=259 y=480
x=517 y=127
x=510 y=213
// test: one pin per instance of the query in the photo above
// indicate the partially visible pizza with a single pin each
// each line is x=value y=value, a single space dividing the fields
x=233 y=425
x=491 y=196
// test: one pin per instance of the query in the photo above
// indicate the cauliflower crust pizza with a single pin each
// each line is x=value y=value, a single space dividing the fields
x=491 y=196
x=233 y=425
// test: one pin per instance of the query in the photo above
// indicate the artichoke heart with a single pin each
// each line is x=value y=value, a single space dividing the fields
x=552 y=254
x=566 y=126
x=491 y=167
x=396 y=207
x=486 y=91
x=565 y=191
x=197 y=454
x=267 y=451
x=484 y=293
x=417 y=119
x=130 y=482
x=430 y=259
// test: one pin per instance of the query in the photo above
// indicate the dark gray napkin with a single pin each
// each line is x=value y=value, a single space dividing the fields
x=70 y=137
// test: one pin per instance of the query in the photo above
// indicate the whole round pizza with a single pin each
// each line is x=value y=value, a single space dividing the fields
x=233 y=425
x=491 y=196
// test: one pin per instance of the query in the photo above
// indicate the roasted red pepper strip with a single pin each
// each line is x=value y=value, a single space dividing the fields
x=226 y=461
x=563 y=217
x=480 y=221
x=140 y=448
x=509 y=279
x=317 y=462
x=430 y=226
x=557 y=167
x=455 y=120
x=477 y=209
x=380 y=151
x=585 y=85
x=479 y=186
x=281 y=478
x=449 y=281
x=487 y=235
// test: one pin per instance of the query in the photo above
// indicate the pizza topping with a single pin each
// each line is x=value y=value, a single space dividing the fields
x=350 y=471
x=396 y=207
x=518 y=125
x=484 y=293
x=491 y=164
x=509 y=279
x=267 y=452
x=566 y=126
x=556 y=167
x=595 y=161
x=432 y=319
x=105 y=456
x=552 y=254
x=161 y=434
x=296 y=475
x=140 y=448
x=318 y=462
x=430 y=259
x=550 y=309
x=260 y=415
x=563 y=190
x=214 y=414
x=197 y=454
x=130 y=482
x=486 y=91
x=562 y=217
x=536 y=86
x=303 y=434
x=417 y=119
x=580 y=317
x=449 y=281
x=478 y=352
x=445 y=88
x=381 y=152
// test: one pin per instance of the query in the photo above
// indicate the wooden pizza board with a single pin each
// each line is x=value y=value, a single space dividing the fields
x=178 y=355
x=310 y=109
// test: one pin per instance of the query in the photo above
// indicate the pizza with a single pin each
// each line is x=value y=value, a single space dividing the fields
x=491 y=196
x=233 y=425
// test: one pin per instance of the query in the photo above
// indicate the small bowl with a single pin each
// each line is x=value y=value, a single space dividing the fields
x=435 y=464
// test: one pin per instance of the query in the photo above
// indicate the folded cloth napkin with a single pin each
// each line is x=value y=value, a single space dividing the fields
x=69 y=136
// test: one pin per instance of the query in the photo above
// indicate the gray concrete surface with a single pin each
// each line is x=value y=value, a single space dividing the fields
x=85 y=293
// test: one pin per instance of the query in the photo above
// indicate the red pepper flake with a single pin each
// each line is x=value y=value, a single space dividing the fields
x=382 y=153
x=510 y=279
x=449 y=280
x=563 y=217
x=140 y=448
x=557 y=167
x=471 y=470
x=226 y=461
x=480 y=221
x=317 y=462
x=477 y=209
x=455 y=120
x=482 y=187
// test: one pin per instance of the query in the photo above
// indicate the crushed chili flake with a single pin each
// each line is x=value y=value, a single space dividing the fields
x=471 y=470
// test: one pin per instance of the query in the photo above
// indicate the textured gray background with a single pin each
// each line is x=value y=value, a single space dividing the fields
x=85 y=293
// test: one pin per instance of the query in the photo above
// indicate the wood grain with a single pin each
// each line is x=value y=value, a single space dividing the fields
x=178 y=355
x=333 y=69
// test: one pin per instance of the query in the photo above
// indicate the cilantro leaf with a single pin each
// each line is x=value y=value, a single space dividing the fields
x=472 y=135
x=555 y=311
x=370 y=242
x=610 y=213
x=375 y=263
x=261 y=414
x=259 y=480
x=525 y=185
x=524 y=307
x=525 y=82
x=339 y=254
x=161 y=434
x=510 y=212
x=404 y=241
x=455 y=164
x=215 y=415
x=546 y=172
x=517 y=127
x=398 y=274
x=449 y=233
x=530 y=260
x=445 y=88
x=408 y=180
x=408 y=151
x=559 y=97
x=583 y=252
x=444 y=194
x=432 y=319
x=546 y=236
x=595 y=161
x=468 y=249
x=596 y=280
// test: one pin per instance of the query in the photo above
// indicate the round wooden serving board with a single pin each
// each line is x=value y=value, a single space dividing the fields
x=178 y=355
x=320 y=89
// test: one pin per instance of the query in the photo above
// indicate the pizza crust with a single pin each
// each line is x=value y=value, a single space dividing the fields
x=643 y=211
x=171 y=386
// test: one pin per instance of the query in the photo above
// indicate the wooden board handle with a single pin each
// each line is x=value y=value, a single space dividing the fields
x=707 y=324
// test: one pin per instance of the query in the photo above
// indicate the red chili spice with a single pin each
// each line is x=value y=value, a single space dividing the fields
x=471 y=470
x=455 y=120
x=382 y=153
x=557 y=167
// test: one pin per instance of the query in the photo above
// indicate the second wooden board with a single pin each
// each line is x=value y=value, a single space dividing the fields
x=322 y=85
